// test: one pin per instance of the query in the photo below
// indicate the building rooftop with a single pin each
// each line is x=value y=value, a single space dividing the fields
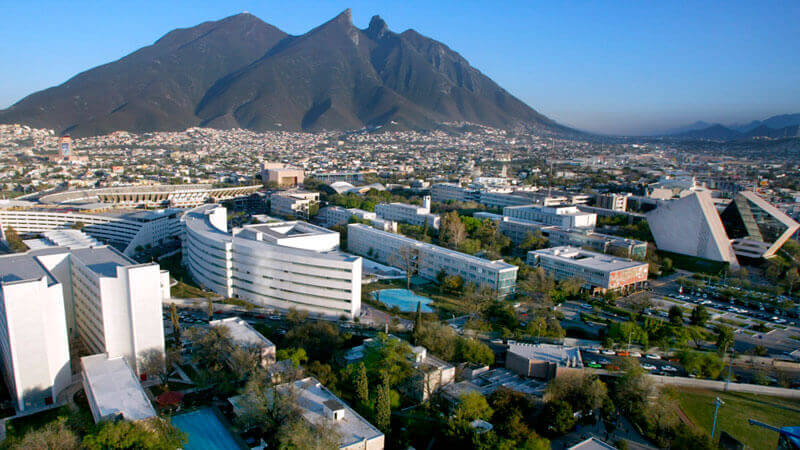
x=592 y=444
x=313 y=398
x=102 y=260
x=243 y=332
x=24 y=267
x=70 y=238
x=282 y=230
x=587 y=259
x=115 y=389
x=558 y=354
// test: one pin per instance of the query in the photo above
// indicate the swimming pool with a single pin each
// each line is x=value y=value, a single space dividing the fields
x=205 y=431
x=404 y=299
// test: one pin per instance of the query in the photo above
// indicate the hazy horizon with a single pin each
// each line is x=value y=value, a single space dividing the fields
x=637 y=69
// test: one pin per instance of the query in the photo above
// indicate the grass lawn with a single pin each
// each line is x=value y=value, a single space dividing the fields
x=183 y=290
x=738 y=408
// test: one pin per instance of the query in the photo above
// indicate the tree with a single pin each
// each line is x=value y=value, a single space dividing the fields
x=725 y=339
x=473 y=406
x=158 y=364
x=387 y=359
x=210 y=309
x=534 y=241
x=155 y=433
x=298 y=356
x=383 y=408
x=297 y=433
x=452 y=231
x=676 y=315
x=244 y=360
x=405 y=258
x=792 y=279
x=559 y=416
x=211 y=348
x=176 y=323
x=14 y=241
x=417 y=324
x=362 y=386
x=582 y=391
x=55 y=435
x=296 y=317
x=699 y=316
x=452 y=284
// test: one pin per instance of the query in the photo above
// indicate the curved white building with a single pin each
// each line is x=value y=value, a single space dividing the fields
x=283 y=265
x=126 y=230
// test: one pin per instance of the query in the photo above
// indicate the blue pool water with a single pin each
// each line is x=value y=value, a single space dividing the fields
x=205 y=431
x=404 y=299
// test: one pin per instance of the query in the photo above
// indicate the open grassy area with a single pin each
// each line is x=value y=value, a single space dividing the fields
x=734 y=414
x=183 y=290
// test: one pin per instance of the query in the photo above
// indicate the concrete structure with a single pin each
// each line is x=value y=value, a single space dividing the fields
x=33 y=332
x=113 y=390
x=429 y=372
x=757 y=228
x=428 y=260
x=125 y=230
x=281 y=175
x=599 y=273
x=542 y=361
x=318 y=405
x=150 y=196
x=330 y=216
x=563 y=216
x=410 y=214
x=691 y=226
x=297 y=204
x=69 y=239
x=242 y=333
x=484 y=381
x=613 y=202
x=592 y=443
x=280 y=264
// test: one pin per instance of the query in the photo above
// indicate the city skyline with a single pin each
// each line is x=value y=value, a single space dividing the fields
x=714 y=64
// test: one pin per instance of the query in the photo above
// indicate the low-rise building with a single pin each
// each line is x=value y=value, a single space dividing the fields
x=410 y=214
x=297 y=204
x=485 y=381
x=563 y=216
x=242 y=333
x=615 y=202
x=281 y=175
x=542 y=361
x=112 y=389
x=599 y=273
x=330 y=216
x=429 y=260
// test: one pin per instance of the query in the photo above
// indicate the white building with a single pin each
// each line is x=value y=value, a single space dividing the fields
x=283 y=264
x=563 y=216
x=127 y=230
x=336 y=215
x=298 y=204
x=410 y=214
x=281 y=175
x=242 y=333
x=691 y=226
x=598 y=272
x=429 y=260
x=544 y=361
x=112 y=389
x=33 y=332
x=150 y=196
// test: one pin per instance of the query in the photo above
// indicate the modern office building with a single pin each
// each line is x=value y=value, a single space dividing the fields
x=599 y=273
x=330 y=216
x=543 y=361
x=127 y=230
x=242 y=333
x=117 y=303
x=33 y=332
x=691 y=226
x=757 y=228
x=297 y=204
x=113 y=390
x=280 y=264
x=428 y=260
x=563 y=216
x=281 y=175
x=410 y=214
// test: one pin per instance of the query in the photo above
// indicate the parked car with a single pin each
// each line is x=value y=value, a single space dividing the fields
x=646 y=366
x=609 y=352
x=635 y=355
x=652 y=356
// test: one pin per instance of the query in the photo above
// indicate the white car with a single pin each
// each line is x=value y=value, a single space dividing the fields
x=646 y=366
x=669 y=369
x=596 y=351
x=652 y=356
x=609 y=352
x=635 y=355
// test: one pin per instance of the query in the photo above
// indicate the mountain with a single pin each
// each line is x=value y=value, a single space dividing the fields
x=699 y=125
x=715 y=132
x=774 y=122
x=242 y=72
x=767 y=131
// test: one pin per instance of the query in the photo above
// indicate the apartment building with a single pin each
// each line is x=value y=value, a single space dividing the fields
x=428 y=260
x=410 y=214
x=614 y=202
x=600 y=273
x=298 y=204
x=280 y=264
x=563 y=216
x=330 y=216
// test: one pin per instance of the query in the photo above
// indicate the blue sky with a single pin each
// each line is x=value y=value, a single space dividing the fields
x=613 y=67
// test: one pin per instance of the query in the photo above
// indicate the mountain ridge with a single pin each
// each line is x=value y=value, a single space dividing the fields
x=240 y=72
